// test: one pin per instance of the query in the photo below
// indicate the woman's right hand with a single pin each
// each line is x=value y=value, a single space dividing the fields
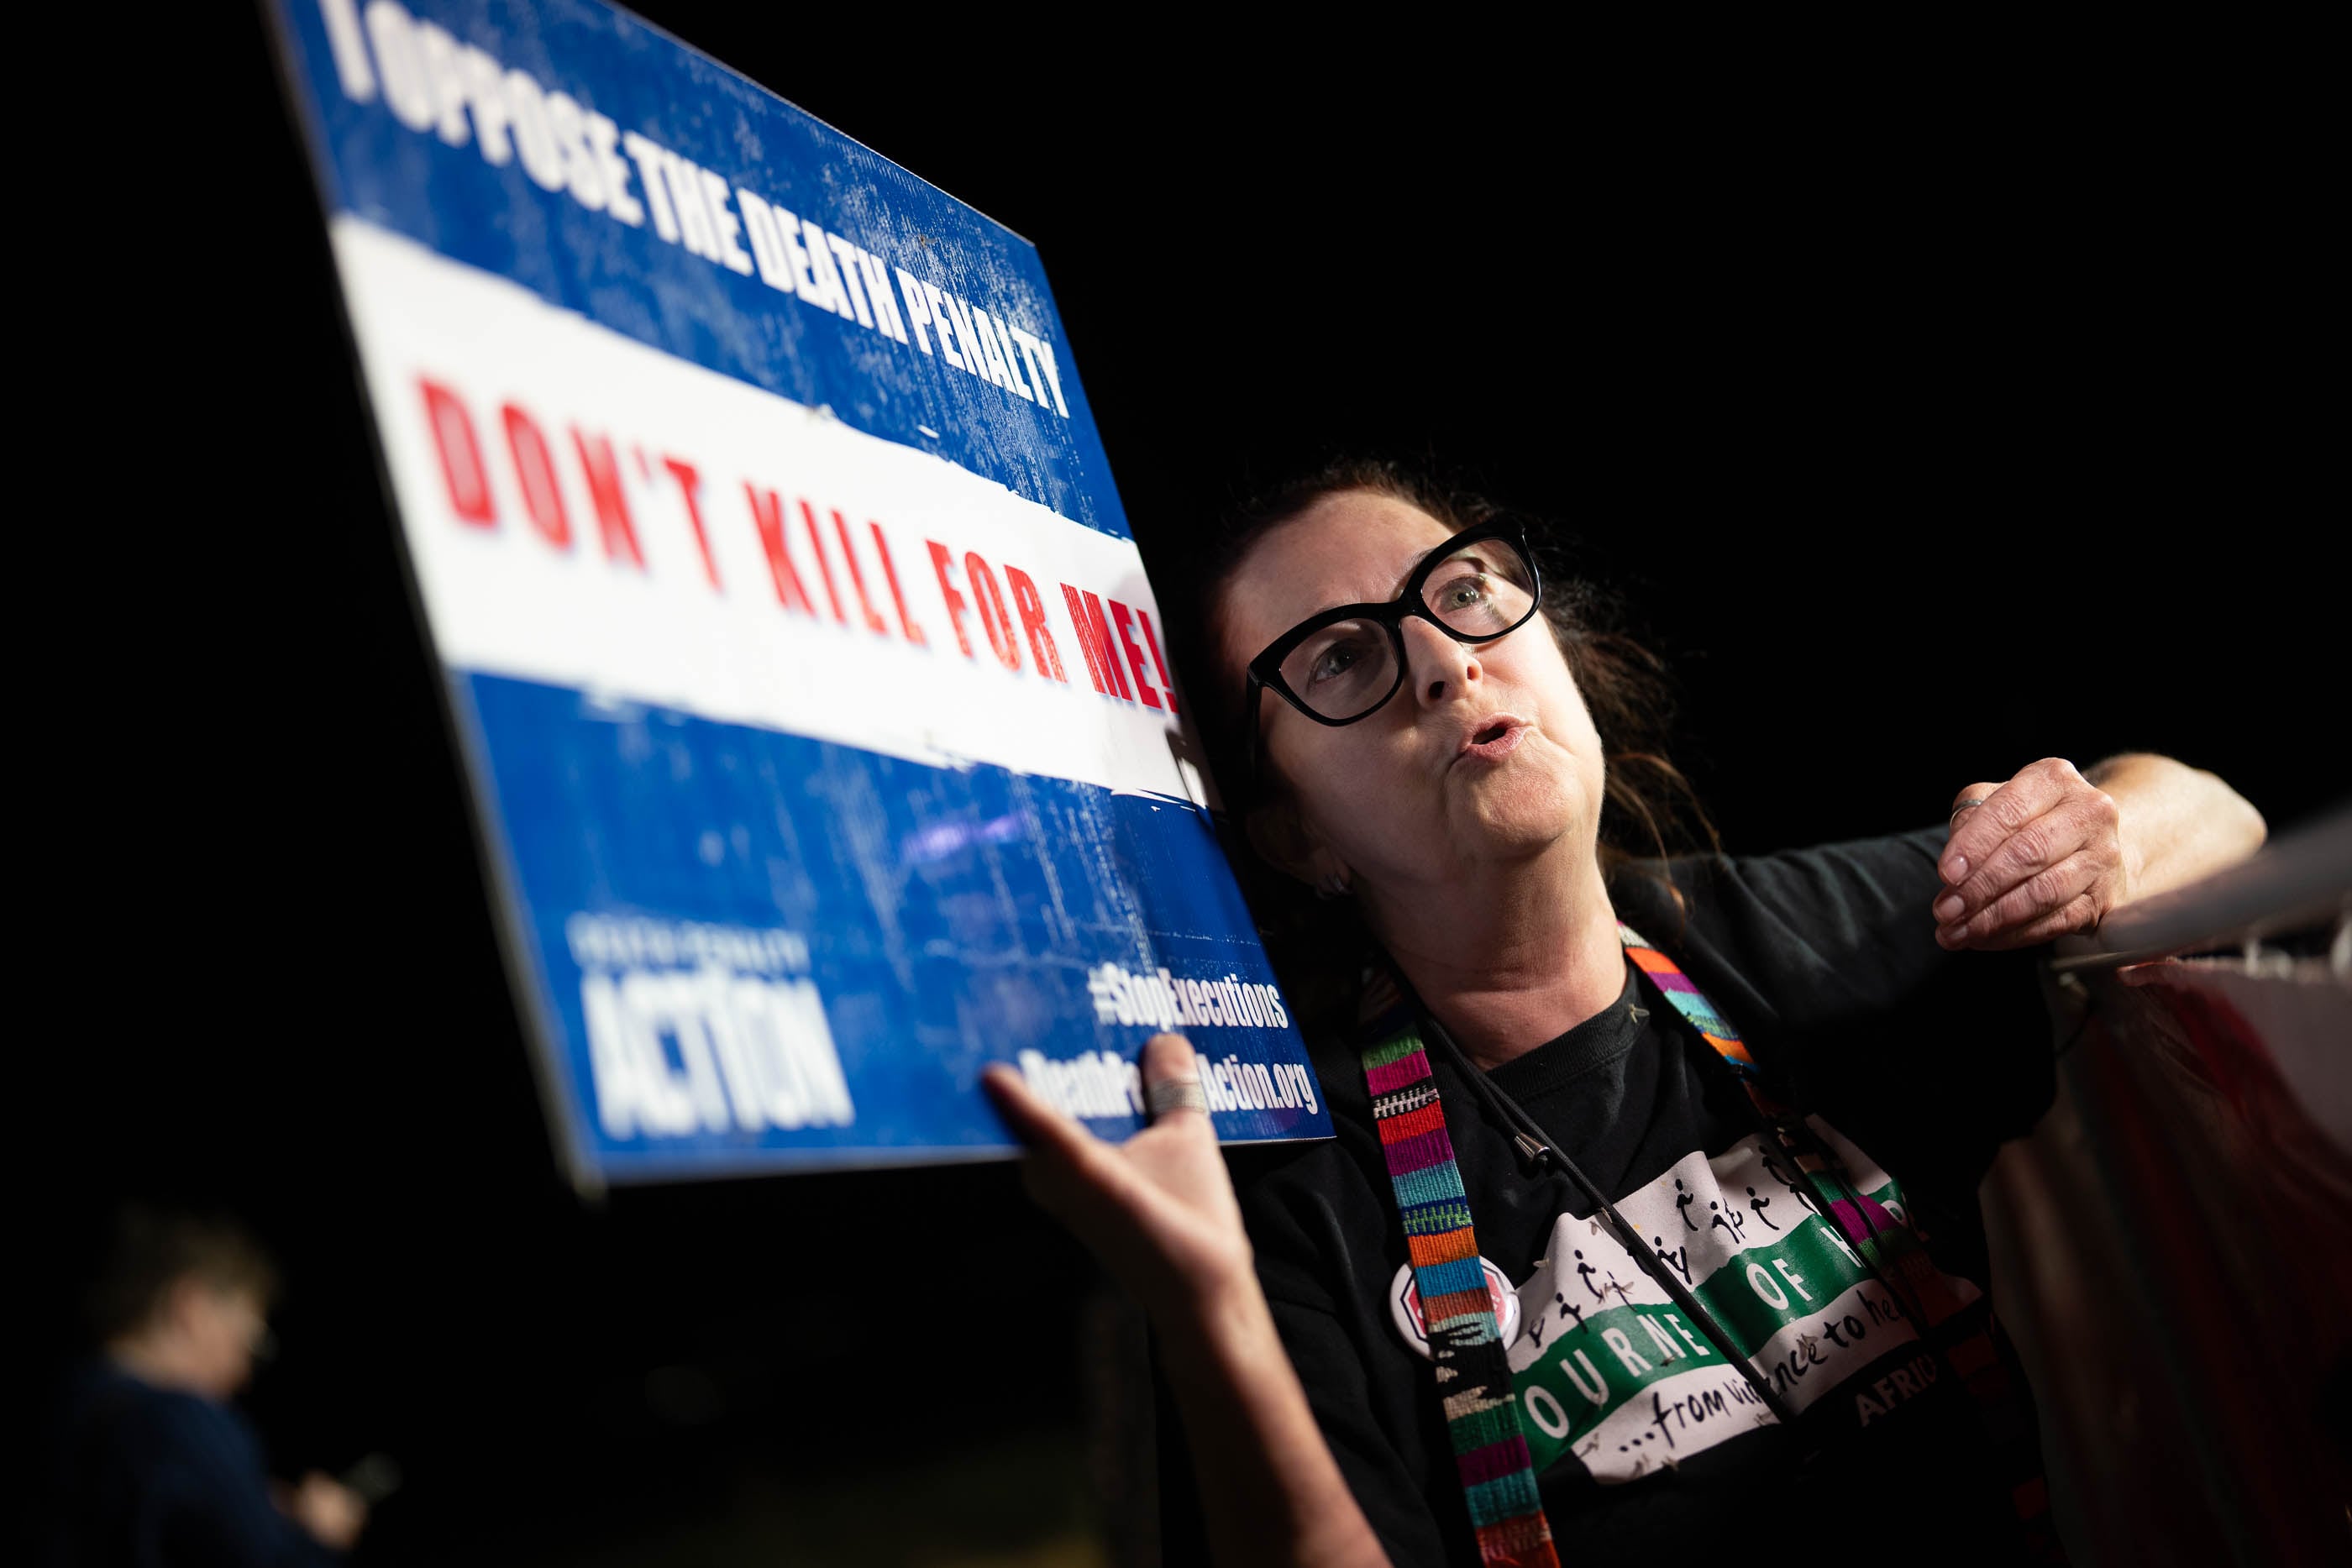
x=1158 y=1209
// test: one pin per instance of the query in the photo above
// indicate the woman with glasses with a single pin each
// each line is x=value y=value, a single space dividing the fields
x=1604 y=1264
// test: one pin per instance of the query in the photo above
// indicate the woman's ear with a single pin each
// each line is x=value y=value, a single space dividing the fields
x=1284 y=842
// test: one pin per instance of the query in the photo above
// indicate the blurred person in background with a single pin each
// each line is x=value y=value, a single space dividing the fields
x=152 y=1464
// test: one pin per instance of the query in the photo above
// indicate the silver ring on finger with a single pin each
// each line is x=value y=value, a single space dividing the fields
x=1963 y=806
x=1175 y=1094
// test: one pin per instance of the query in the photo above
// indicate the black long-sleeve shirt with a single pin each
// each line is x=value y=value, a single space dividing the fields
x=1649 y=1445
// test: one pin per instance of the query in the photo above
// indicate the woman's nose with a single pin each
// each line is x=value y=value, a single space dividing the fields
x=1439 y=668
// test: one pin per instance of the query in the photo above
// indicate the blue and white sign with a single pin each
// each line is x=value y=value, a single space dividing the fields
x=817 y=705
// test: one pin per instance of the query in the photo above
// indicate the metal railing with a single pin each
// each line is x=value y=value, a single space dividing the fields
x=2302 y=881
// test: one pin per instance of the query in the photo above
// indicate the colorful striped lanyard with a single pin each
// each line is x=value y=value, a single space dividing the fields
x=1474 y=1370
x=1471 y=1364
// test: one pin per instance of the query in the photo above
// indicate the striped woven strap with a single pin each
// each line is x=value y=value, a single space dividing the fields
x=1888 y=1246
x=1474 y=1371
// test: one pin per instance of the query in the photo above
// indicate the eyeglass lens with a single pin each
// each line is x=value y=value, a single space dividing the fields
x=1349 y=668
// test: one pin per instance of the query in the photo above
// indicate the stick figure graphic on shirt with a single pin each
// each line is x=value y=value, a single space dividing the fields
x=1759 y=1205
x=1683 y=1200
x=1623 y=1300
x=1587 y=1270
x=1568 y=1309
x=1796 y=1189
x=1679 y=1257
x=1729 y=1219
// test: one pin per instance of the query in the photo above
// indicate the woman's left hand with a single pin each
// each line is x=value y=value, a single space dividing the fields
x=2036 y=857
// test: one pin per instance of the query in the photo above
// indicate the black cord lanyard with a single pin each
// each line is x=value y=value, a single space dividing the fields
x=1536 y=1150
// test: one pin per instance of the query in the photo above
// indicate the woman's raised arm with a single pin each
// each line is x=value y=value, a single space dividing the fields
x=1160 y=1211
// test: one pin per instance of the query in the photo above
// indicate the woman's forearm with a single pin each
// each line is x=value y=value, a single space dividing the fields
x=1160 y=1210
x=2178 y=824
x=1273 y=1493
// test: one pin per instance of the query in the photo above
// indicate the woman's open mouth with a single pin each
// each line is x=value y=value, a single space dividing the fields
x=1495 y=739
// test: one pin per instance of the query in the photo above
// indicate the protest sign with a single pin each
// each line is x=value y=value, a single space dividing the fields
x=817 y=711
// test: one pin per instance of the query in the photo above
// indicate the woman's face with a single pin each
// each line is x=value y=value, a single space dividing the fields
x=1485 y=756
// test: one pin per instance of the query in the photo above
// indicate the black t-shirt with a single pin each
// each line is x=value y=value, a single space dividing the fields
x=1647 y=1442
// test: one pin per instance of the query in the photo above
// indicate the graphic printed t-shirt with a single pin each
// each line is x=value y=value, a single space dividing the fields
x=1648 y=1444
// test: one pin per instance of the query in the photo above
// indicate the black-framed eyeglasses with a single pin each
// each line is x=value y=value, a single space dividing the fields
x=1345 y=664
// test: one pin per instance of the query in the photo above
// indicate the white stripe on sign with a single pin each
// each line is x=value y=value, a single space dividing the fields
x=585 y=511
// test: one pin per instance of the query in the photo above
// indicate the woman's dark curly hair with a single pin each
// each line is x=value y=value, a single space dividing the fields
x=1650 y=810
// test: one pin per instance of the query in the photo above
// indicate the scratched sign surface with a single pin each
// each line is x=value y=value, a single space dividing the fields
x=813 y=697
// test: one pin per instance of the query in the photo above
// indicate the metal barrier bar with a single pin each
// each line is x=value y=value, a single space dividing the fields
x=2299 y=881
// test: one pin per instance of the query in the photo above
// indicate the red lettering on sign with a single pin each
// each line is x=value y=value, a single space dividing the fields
x=1167 y=690
x=1120 y=614
x=1094 y=641
x=461 y=455
x=613 y=525
x=943 y=563
x=690 y=485
x=768 y=517
x=907 y=627
x=1032 y=623
x=540 y=497
x=992 y=618
x=823 y=566
x=874 y=622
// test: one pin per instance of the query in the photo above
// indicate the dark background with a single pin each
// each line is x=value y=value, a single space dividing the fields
x=1934 y=405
